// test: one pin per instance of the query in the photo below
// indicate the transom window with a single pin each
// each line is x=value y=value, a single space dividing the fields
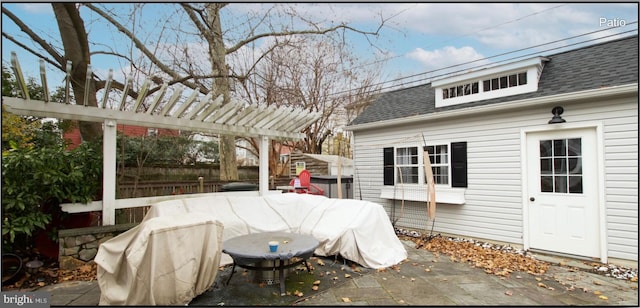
x=561 y=166
x=460 y=90
x=503 y=82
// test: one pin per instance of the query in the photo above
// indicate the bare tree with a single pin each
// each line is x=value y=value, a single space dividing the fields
x=206 y=19
x=76 y=49
x=307 y=72
x=178 y=62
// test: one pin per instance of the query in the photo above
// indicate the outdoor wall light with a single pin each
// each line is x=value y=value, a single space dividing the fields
x=557 y=111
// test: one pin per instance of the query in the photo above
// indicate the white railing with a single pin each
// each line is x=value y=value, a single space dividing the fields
x=147 y=201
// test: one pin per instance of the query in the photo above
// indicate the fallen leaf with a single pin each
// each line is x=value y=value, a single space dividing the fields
x=538 y=279
x=427 y=269
x=314 y=288
x=320 y=262
x=597 y=292
x=542 y=285
x=317 y=282
x=85 y=268
x=346 y=300
x=508 y=293
x=602 y=297
x=597 y=282
x=346 y=276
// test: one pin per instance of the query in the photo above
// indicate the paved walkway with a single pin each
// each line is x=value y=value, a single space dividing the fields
x=421 y=280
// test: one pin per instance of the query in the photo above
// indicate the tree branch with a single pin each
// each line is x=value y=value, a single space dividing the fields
x=140 y=45
x=46 y=46
x=35 y=53
x=298 y=32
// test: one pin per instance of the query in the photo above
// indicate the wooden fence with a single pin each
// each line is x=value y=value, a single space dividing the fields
x=167 y=188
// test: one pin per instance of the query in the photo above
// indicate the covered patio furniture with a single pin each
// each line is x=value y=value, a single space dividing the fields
x=165 y=260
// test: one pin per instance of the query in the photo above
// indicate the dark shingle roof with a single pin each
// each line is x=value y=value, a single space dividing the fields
x=606 y=64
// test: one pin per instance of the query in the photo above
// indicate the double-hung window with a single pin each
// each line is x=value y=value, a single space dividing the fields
x=439 y=159
x=407 y=166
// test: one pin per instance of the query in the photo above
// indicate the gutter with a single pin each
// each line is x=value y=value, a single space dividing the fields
x=539 y=101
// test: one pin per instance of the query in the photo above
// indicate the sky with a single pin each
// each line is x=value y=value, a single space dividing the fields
x=418 y=40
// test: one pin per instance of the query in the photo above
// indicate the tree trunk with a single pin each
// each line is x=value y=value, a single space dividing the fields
x=217 y=53
x=76 y=49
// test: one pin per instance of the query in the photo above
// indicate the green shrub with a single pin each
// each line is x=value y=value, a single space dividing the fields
x=35 y=177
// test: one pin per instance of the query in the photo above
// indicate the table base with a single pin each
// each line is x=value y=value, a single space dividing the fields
x=282 y=265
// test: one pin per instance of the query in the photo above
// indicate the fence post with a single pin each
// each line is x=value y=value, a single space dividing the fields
x=201 y=186
x=109 y=146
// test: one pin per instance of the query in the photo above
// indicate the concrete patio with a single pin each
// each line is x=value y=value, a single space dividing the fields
x=423 y=279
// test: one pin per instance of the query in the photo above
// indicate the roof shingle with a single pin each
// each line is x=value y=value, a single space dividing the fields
x=607 y=64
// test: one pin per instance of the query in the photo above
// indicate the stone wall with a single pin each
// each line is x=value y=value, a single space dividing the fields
x=80 y=246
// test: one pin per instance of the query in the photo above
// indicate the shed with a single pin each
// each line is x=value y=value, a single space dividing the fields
x=540 y=152
x=320 y=164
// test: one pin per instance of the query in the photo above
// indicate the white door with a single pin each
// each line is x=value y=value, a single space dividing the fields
x=562 y=183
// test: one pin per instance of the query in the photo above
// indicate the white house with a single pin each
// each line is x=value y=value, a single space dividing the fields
x=504 y=170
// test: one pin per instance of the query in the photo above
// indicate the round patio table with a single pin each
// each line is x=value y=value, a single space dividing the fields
x=248 y=251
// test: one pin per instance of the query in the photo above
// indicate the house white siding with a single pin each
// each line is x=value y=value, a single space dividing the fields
x=493 y=206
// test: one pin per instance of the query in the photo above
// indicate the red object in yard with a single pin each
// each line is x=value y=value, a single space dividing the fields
x=305 y=186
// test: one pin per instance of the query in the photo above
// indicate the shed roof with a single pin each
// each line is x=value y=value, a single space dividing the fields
x=607 y=64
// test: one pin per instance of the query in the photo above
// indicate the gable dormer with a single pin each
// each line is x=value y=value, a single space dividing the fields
x=497 y=81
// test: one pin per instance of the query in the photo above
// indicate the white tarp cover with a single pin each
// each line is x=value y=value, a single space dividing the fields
x=357 y=230
x=165 y=260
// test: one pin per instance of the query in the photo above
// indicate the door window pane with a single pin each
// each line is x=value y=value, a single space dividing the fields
x=546 y=184
x=545 y=166
x=575 y=184
x=561 y=165
x=575 y=165
x=545 y=148
x=560 y=184
x=559 y=148
x=575 y=147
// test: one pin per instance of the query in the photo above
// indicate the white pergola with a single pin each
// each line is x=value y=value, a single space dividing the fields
x=194 y=113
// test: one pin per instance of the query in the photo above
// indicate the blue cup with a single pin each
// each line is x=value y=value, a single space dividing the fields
x=273 y=246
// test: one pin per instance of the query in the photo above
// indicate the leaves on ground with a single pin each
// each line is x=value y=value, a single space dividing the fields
x=493 y=261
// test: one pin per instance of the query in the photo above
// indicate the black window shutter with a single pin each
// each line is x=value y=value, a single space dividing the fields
x=387 y=163
x=458 y=164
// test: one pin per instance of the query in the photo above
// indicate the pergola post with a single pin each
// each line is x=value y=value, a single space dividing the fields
x=109 y=146
x=264 y=165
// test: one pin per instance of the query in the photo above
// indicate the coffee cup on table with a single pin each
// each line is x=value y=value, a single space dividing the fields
x=273 y=246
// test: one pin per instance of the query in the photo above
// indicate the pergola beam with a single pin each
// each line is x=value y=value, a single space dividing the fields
x=92 y=114
x=234 y=118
